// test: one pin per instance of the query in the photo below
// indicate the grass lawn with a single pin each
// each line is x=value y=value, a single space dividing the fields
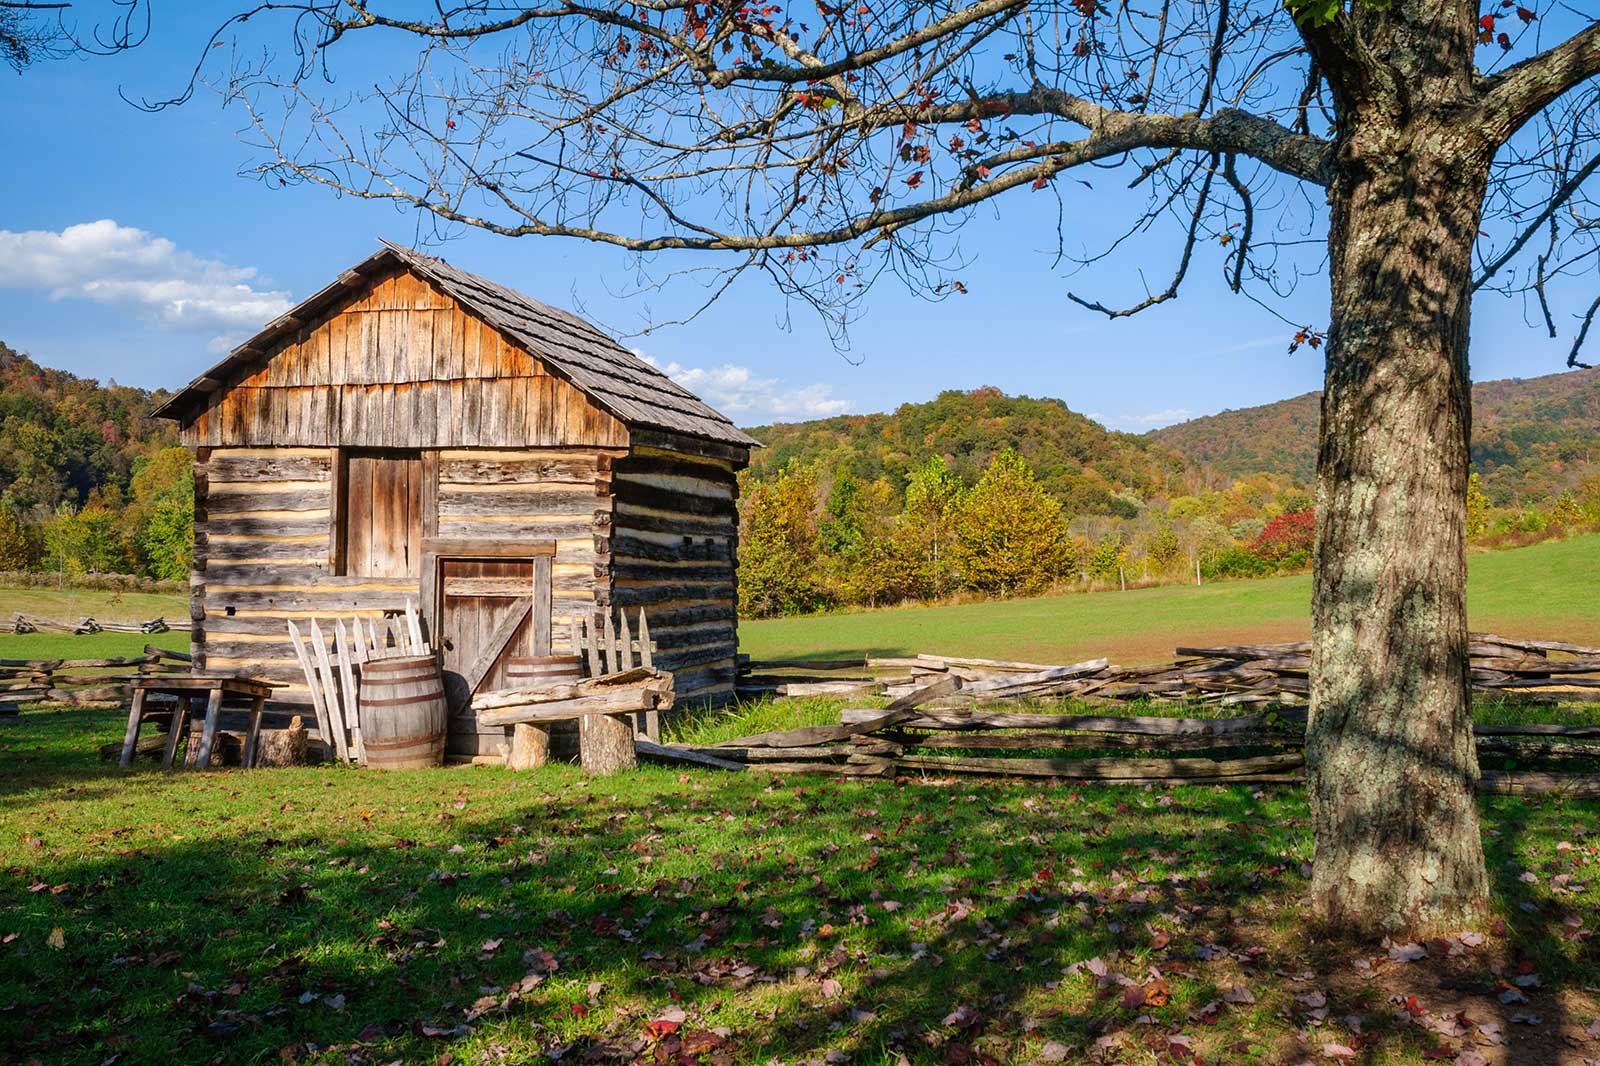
x=467 y=916
x=69 y=605
x=1549 y=590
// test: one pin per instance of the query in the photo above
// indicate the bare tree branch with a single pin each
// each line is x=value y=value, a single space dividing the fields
x=1509 y=99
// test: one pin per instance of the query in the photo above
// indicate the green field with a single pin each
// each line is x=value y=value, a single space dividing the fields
x=69 y=605
x=1549 y=590
x=333 y=915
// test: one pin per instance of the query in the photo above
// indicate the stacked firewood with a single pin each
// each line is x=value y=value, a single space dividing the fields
x=80 y=683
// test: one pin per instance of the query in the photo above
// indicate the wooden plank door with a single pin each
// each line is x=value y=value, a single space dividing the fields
x=382 y=514
x=490 y=610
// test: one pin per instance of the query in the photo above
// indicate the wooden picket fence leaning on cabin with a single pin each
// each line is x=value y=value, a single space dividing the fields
x=335 y=696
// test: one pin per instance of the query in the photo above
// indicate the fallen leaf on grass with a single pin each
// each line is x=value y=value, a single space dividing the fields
x=57 y=939
x=541 y=961
x=1237 y=994
x=961 y=1017
x=667 y=1024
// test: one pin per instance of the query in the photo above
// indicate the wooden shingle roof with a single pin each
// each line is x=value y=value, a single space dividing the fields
x=615 y=379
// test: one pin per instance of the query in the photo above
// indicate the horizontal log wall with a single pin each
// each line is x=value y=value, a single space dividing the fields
x=674 y=552
x=558 y=495
x=401 y=366
x=264 y=538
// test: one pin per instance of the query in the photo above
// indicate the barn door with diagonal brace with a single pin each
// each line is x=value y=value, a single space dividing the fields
x=489 y=610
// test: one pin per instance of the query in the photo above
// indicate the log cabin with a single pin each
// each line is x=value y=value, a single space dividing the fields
x=415 y=431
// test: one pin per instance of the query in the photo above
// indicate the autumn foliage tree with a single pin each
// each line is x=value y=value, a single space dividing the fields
x=828 y=145
x=1011 y=537
x=779 y=546
x=925 y=536
x=1288 y=536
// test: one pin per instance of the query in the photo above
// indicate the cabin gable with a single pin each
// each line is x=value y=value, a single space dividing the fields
x=399 y=364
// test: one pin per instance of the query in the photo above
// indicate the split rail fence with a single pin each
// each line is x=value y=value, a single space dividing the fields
x=33 y=623
x=81 y=683
x=949 y=715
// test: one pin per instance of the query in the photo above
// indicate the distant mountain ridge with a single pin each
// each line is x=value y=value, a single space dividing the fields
x=1531 y=437
x=1091 y=469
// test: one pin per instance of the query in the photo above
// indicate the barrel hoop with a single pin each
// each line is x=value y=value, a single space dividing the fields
x=409 y=662
x=416 y=740
x=408 y=679
x=419 y=698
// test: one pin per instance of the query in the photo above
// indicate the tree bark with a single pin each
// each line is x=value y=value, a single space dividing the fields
x=1389 y=744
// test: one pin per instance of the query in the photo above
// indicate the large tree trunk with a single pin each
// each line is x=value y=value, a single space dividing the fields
x=1392 y=765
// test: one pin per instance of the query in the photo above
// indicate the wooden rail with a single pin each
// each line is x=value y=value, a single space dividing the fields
x=81 y=683
x=33 y=623
x=948 y=717
x=1259 y=675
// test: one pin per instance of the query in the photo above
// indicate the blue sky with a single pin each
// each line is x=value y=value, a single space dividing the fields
x=184 y=257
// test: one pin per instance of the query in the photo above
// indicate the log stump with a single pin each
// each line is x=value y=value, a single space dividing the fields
x=605 y=743
x=283 y=747
x=530 y=747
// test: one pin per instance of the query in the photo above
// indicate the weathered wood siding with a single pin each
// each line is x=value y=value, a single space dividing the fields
x=504 y=451
x=266 y=538
x=673 y=550
x=402 y=366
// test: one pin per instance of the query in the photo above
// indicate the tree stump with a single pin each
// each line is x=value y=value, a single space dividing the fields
x=227 y=749
x=605 y=743
x=530 y=747
x=283 y=747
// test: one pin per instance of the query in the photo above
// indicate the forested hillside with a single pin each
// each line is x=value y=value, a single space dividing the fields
x=1090 y=469
x=89 y=482
x=1532 y=438
x=972 y=493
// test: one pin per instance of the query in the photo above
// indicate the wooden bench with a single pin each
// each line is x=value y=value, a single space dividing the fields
x=621 y=698
x=188 y=688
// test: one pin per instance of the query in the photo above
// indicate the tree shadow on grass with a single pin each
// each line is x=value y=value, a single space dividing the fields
x=792 y=920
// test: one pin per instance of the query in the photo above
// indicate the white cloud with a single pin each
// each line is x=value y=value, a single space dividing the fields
x=750 y=400
x=1148 y=420
x=126 y=267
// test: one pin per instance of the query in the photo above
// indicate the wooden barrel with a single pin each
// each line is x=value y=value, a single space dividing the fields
x=537 y=671
x=403 y=712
